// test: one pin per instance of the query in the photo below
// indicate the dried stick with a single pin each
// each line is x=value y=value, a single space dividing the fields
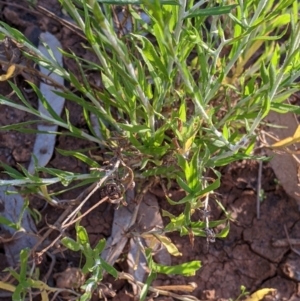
x=163 y=292
x=70 y=213
x=95 y=187
x=288 y=238
x=281 y=243
x=85 y=213
x=258 y=190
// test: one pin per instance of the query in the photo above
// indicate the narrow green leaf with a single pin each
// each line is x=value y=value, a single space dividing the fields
x=136 y=2
x=190 y=198
x=22 y=98
x=183 y=185
x=80 y=156
x=100 y=246
x=89 y=261
x=225 y=132
x=284 y=108
x=148 y=282
x=224 y=232
x=14 y=33
x=212 y=11
x=272 y=75
x=264 y=73
x=176 y=223
x=182 y=162
x=167 y=214
x=76 y=83
x=185 y=269
x=87 y=22
x=23 y=258
x=193 y=176
x=109 y=269
x=182 y=111
x=17 y=293
x=15 y=174
x=45 y=103
x=156 y=151
x=98 y=12
x=212 y=224
x=82 y=235
x=71 y=244
x=150 y=54
x=266 y=106
x=7 y=222
x=134 y=128
x=211 y=187
x=156 y=171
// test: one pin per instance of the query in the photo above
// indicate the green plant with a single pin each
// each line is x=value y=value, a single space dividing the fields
x=179 y=98
x=94 y=264
x=28 y=282
x=242 y=294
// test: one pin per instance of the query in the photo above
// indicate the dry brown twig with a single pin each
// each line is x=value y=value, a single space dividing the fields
x=281 y=243
x=68 y=217
x=288 y=239
x=20 y=69
x=164 y=290
x=95 y=187
x=71 y=26
x=258 y=192
x=40 y=10
x=85 y=213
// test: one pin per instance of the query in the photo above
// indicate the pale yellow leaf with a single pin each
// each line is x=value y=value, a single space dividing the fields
x=260 y=294
x=44 y=296
x=7 y=286
x=10 y=72
x=289 y=140
x=188 y=143
x=42 y=286
x=153 y=241
x=171 y=248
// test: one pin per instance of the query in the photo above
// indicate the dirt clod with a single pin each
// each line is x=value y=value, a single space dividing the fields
x=70 y=278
